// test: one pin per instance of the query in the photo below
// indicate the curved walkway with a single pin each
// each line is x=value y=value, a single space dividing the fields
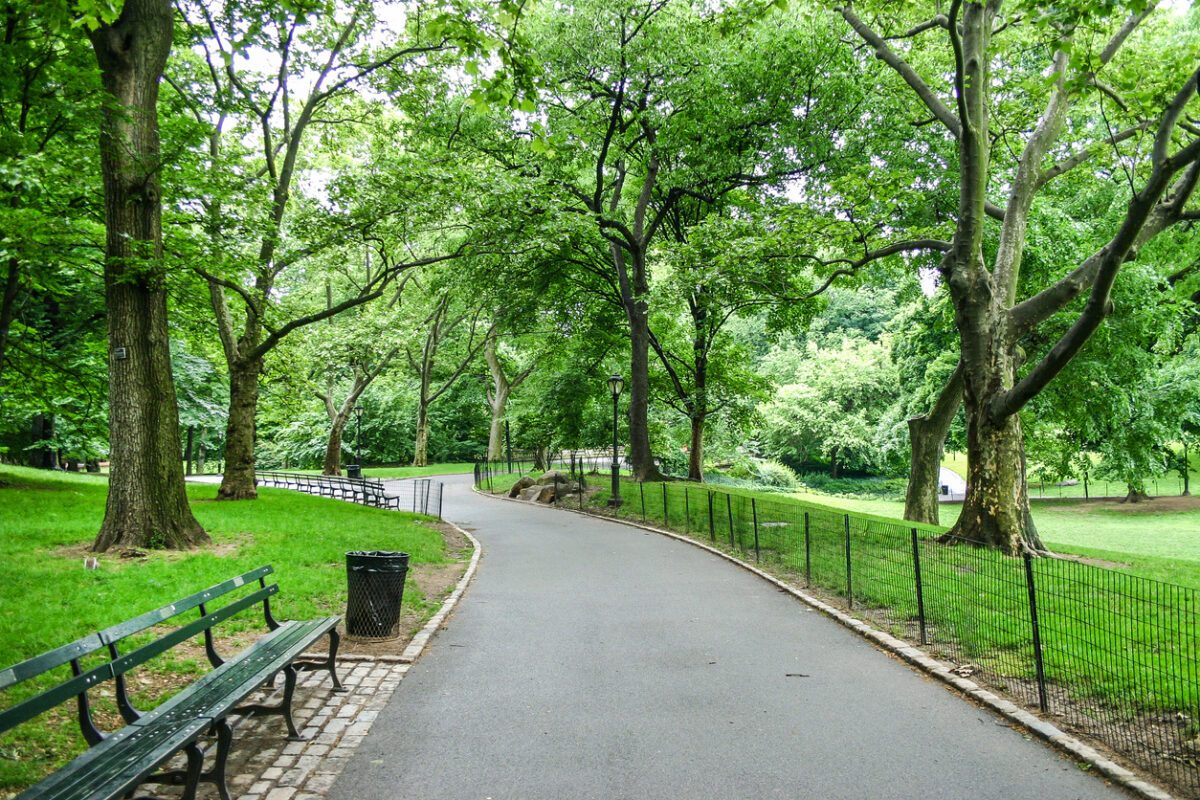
x=594 y=660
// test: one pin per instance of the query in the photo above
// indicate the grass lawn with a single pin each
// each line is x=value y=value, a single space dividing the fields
x=1170 y=484
x=47 y=521
x=1157 y=539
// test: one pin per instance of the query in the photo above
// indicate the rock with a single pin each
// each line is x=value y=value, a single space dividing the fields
x=552 y=475
x=531 y=492
x=545 y=494
x=524 y=483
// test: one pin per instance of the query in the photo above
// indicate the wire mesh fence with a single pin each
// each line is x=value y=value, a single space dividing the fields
x=1112 y=656
x=417 y=495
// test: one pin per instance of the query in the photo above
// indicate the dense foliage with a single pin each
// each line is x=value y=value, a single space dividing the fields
x=460 y=218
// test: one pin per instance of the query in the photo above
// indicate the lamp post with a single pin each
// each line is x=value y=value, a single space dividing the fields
x=615 y=383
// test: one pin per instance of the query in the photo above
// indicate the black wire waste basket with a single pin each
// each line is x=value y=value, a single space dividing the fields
x=375 y=580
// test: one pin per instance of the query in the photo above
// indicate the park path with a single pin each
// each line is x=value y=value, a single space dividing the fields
x=594 y=660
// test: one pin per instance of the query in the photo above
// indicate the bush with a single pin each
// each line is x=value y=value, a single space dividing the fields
x=772 y=473
x=884 y=488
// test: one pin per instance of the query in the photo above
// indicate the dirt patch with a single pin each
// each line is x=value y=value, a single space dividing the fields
x=1095 y=562
x=1156 y=505
x=435 y=582
x=83 y=550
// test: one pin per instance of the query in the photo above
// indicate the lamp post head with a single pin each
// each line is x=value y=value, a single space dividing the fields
x=616 y=383
x=358 y=412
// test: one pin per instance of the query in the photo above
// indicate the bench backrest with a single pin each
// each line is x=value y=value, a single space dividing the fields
x=119 y=664
x=76 y=686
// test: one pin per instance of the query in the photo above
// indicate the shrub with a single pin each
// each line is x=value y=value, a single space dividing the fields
x=772 y=473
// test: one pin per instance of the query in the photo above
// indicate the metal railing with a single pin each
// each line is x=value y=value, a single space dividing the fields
x=418 y=495
x=1112 y=656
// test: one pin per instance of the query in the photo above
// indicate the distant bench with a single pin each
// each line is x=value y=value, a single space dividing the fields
x=116 y=763
x=367 y=491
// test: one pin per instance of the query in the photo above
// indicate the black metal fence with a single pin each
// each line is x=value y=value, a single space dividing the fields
x=417 y=495
x=1113 y=656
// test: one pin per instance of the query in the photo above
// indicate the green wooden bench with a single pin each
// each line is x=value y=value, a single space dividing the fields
x=116 y=763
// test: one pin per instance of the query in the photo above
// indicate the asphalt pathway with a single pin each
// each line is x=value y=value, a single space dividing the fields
x=593 y=660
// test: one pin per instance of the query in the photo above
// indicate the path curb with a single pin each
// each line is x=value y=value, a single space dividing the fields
x=307 y=770
x=918 y=658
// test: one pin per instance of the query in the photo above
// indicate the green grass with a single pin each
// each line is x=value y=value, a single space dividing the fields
x=48 y=599
x=1154 y=542
x=1170 y=484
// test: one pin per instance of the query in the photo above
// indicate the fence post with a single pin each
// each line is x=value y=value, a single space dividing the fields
x=1037 y=634
x=687 y=512
x=666 y=519
x=754 y=512
x=807 y=553
x=555 y=488
x=642 y=492
x=849 y=580
x=729 y=512
x=440 y=489
x=920 y=589
x=712 y=531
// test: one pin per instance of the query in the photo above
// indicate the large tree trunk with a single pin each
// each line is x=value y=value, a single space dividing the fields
x=238 y=480
x=421 y=445
x=641 y=457
x=927 y=440
x=499 y=403
x=333 y=446
x=926 y=446
x=696 y=450
x=147 y=501
x=995 y=512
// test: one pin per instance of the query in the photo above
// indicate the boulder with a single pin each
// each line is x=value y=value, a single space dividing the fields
x=531 y=492
x=524 y=483
x=545 y=495
x=552 y=475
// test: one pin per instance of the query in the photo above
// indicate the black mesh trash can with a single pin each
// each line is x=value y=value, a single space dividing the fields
x=375 y=580
x=353 y=471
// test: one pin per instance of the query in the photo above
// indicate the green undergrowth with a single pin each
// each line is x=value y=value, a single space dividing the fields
x=47 y=522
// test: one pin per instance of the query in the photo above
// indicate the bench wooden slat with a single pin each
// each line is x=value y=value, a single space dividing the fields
x=49 y=660
x=217 y=692
x=160 y=645
x=47 y=700
x=158 y=615
x=118 y=764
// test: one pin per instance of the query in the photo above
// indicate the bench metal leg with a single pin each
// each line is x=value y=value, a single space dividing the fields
x=217 y=773
x=284 y=708
x=328 y=664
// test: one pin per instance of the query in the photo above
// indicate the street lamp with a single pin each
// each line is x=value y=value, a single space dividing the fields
x=615 y=383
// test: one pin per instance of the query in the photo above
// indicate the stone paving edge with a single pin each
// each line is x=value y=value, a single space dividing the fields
x=1056 y=737
x=308 y=769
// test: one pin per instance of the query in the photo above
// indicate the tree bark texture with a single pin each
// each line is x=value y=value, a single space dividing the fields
x=147 y=503
x=421 y=443
x=641 y=457
x=332 y=465
x=237 y=483
x=696 y=449
x=502 y=387
x=927 y=441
